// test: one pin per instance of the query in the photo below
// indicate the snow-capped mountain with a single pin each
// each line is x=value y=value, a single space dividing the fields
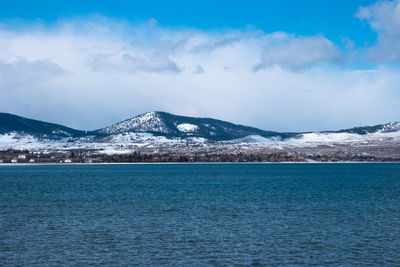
x=174 y=126
x=161 y=132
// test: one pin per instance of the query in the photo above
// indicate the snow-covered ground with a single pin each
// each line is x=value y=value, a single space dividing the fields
x=315 y=139
x=129 y=142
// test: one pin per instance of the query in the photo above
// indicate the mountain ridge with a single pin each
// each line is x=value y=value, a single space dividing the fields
x=165 y=124
x=14 y=123
x=171 y=125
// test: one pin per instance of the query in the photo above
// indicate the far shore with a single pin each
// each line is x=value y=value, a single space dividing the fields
x=199 y=163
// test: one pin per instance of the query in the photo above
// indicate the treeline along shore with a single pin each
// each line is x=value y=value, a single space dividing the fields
x=25 y=156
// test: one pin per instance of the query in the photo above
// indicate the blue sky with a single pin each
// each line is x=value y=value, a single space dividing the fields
x=331 y=18
x=277 y=65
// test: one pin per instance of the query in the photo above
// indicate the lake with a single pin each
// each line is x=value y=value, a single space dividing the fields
x=200 y=214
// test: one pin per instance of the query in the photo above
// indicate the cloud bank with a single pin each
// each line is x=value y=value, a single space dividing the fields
x=88 y=73
x=384 y=19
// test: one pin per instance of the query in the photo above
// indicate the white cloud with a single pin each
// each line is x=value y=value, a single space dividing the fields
x=17 y=72
x=297 y=52
x=88 y=74
x=199 y=69
x=216 y=42
x=384 y=18
x=131 y=62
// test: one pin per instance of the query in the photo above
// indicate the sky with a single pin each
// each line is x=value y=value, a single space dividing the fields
x=276 y=65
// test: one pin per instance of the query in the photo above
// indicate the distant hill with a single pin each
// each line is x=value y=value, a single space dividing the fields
x=170 y=125
x=384 y=128
x=13 y=123
x=163 y=124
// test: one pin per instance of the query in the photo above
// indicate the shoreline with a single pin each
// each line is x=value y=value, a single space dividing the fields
x=199 y=163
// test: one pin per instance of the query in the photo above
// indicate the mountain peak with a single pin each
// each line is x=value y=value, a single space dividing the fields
x=170 y=125
x=146 y=122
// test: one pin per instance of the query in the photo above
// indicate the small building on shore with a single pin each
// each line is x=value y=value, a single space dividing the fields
x=89 y=160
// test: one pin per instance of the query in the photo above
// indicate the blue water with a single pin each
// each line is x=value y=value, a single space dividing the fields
x=200 y=214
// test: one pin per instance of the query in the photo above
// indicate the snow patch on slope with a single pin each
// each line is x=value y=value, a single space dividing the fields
x=187 y=127
x=127 y=138
x=12 y=139
x=327 y=137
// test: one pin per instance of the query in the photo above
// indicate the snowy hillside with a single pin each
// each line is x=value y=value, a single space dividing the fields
x=13 y=123
x=390 y=127
x=148 y=122
x=174 y=126
x=160 y=132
